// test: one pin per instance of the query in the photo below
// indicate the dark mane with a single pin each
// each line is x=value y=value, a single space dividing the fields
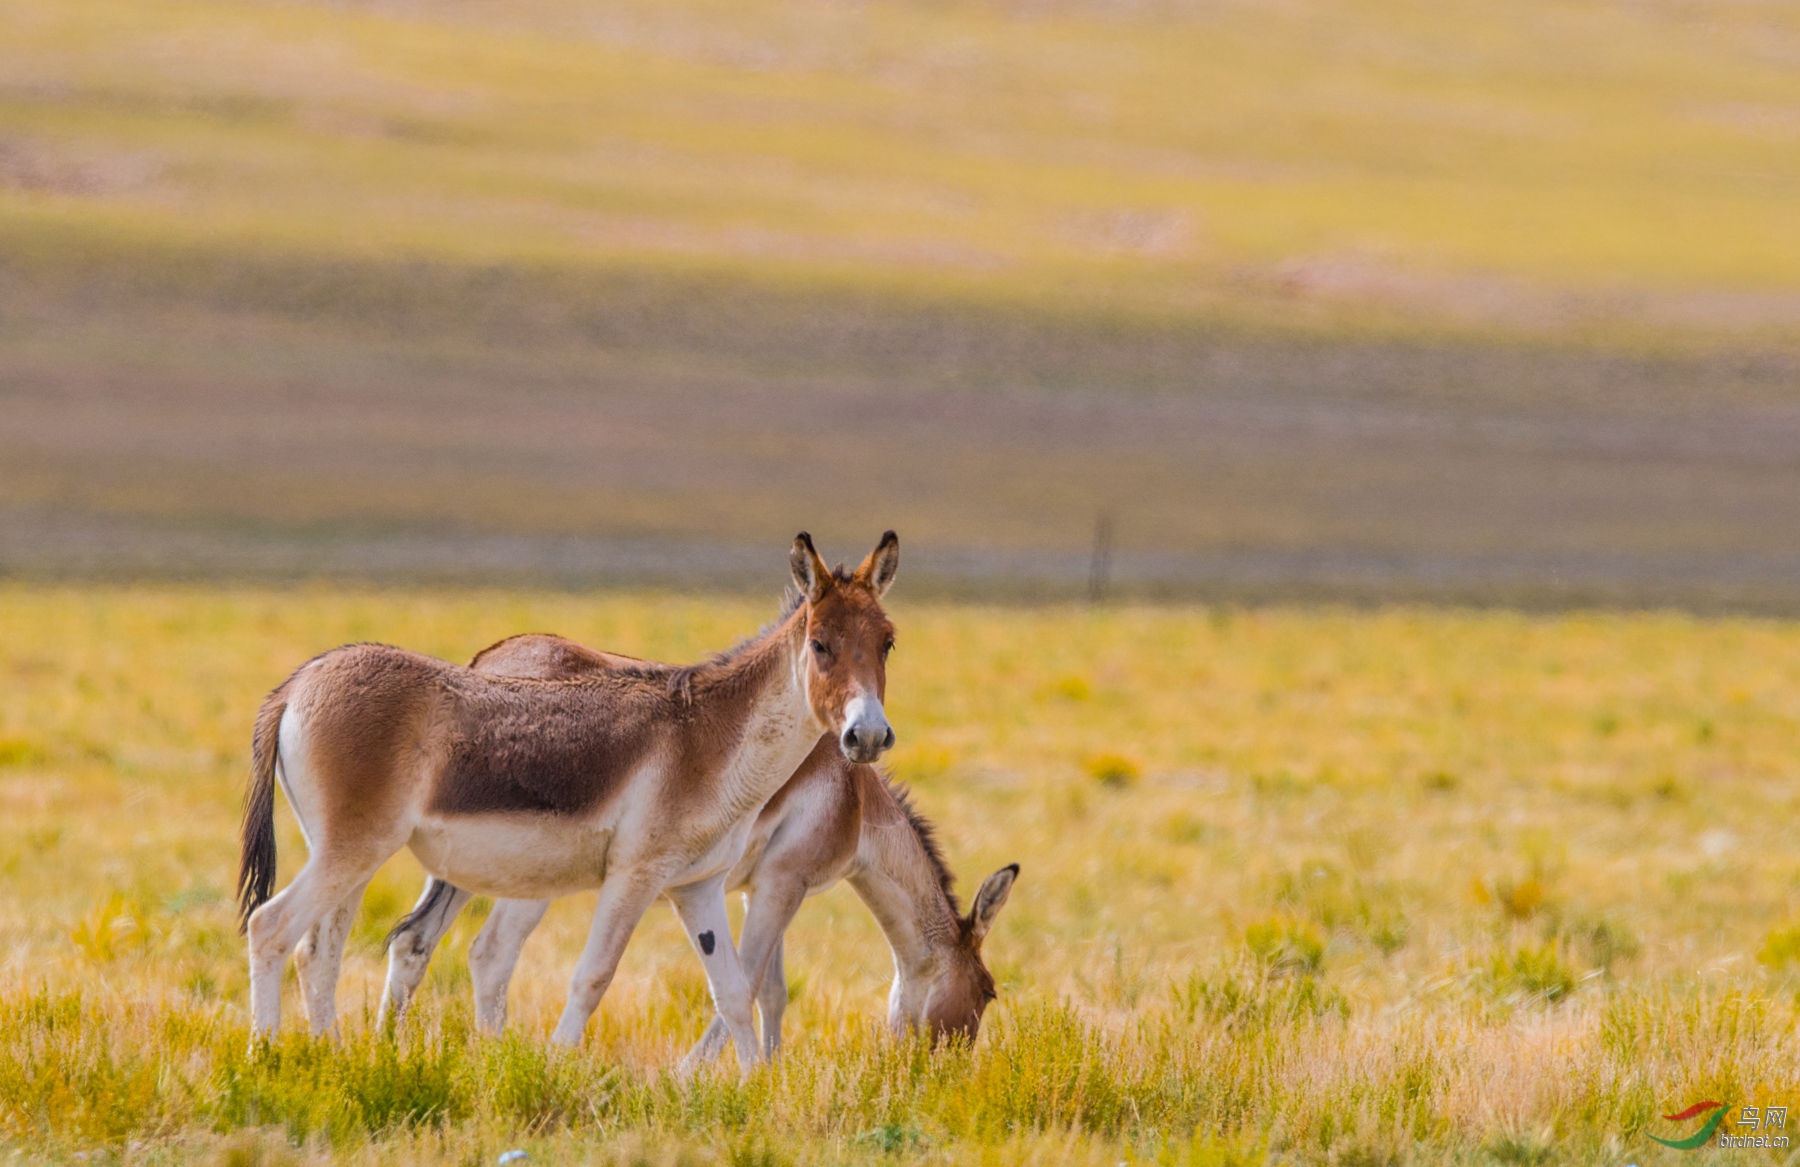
x=928 y=840
x=680 y=678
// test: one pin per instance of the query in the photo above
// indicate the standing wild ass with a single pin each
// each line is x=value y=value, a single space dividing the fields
x=834 y=819
x=640 y=782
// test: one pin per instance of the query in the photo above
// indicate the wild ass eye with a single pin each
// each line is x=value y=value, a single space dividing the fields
x=819 y=649
x=887 y=646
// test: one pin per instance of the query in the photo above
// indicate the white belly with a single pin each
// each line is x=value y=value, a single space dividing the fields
x=521 y=857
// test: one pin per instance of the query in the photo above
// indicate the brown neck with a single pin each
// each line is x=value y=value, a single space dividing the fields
x=755 y=695
x=903 y=887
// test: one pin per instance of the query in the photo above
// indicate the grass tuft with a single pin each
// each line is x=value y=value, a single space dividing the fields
x=1115 y=771
x=1537 y=973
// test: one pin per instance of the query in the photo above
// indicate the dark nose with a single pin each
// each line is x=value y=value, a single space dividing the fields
x=865 y=742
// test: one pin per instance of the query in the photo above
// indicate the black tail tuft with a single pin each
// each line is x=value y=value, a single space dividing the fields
x=256 y=861
x=438 y=895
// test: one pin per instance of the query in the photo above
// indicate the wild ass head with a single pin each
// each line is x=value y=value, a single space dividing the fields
x=963 y=986
x=848 y=638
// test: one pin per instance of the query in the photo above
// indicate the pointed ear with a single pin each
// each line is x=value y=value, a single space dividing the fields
x=810 y=573
x=877 y=571
x=990 y=899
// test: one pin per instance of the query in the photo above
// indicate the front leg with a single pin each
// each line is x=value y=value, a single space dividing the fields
x=624 y=898
x=494 y=955
x=701 y=907
x=771 y=1000
x=766 y=921
x=771 y=906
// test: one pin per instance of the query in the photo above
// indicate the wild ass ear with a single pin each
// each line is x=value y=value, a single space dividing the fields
x=810 y=573
x=877 y=571
x=990 y=899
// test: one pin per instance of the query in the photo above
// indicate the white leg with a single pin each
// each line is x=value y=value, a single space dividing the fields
x=701 y=907
x=766 y=921
x=771 y=1001
x=770 y=909
x=494 y=955
x=277 y=926
x=303 y=969
x=710 y=1045
x=319 y=961
x=413 y=942
x=623 y=902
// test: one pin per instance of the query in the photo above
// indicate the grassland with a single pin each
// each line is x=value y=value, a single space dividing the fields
x=1325 y=886
x=1384 y=298
x=1510 y=168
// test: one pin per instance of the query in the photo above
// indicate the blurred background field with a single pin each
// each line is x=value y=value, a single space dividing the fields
x=1374 y=300
x=1416 y=886
x=434 y=321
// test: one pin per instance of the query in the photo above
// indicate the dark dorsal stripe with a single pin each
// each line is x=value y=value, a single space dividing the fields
x=680 y=680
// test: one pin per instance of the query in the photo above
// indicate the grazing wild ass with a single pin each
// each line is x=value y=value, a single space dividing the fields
x=835 y=819
x=639 y=781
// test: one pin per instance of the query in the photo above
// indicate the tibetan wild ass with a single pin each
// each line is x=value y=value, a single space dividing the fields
x=835 y=819
x=638 y=781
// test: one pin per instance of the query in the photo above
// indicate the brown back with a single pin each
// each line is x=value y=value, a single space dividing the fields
x=548 y=658
x=555 y=753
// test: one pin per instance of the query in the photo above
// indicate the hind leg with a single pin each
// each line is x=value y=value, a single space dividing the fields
x=279 y=925
x=319 y=959
x=412 y=943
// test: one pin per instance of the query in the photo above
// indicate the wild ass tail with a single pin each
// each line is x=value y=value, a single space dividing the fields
x=438 y=895
x=256 y=861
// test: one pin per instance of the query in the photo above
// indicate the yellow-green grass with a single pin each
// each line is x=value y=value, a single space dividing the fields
x=1551 y=165
x=1357 y=886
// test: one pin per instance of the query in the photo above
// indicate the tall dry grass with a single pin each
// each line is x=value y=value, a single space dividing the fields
x=1377 y=886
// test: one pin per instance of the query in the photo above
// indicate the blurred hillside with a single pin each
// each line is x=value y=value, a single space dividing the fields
x=1463 y=300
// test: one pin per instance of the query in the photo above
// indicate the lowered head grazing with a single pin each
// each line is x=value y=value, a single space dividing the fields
x=964 y=987
x=848 y=638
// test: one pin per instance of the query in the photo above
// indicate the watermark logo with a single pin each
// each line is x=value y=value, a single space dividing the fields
x=1752 y=1128
x=1701 y=1136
